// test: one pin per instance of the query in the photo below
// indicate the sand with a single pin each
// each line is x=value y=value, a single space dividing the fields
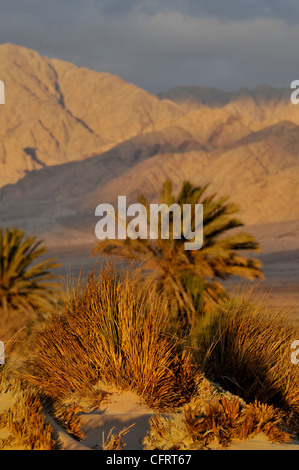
x=125 y=409
x=260 y=442
x=119 y=411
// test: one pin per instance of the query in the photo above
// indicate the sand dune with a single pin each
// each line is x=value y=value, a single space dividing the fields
x=124 y=409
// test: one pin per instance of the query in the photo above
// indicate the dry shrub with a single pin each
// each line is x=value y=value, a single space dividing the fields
x=86 y=401
x=260 y=417
x=214 y=423
x=12 y=329
x=23 y=420
x=112 y=330
x=250 y=355
x=67 y=417
x=17 y=330
x=114 y=441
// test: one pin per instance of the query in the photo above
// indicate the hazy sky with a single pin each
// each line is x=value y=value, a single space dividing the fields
x=160 y=44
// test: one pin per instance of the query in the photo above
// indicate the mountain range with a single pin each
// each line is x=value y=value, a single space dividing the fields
x=72 y=138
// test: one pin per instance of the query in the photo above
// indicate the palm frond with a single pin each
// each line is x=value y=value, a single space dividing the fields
x=25 y=283
x=179 y=273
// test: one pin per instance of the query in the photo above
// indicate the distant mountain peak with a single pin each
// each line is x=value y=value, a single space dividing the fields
x=67 y=112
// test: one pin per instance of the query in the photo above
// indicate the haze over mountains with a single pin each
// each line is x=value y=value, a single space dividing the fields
x=71 y=138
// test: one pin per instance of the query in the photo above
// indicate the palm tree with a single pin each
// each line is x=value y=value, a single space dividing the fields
x=190 y=279
x=23 y=284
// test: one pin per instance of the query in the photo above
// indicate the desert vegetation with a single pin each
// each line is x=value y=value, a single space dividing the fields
x=190 y=279
x=218 y=364
x=247 y=351
x=204 y=424
x=163 y=328
x=23 y=425
x=113 y=331
x=24 y=283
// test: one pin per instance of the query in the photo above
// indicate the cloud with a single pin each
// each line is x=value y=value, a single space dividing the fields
x=160 y=44
x=222 y=10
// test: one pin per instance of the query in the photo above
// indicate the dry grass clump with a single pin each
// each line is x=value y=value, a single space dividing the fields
x=210 y=424
x=114 y=441
x=22 y=422
x=249 y=354
x=67 y=417
x=12 y=329
x=112 y=330
x=17 y=331
x=85 y=401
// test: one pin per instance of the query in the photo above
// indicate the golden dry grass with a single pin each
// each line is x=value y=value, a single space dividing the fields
x=112 y=330
x=249 y=353
x=212 y=420
x=67 y=417
x=114 y=441
x=22 y=422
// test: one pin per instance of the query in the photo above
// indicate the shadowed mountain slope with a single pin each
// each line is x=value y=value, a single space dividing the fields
x=72 y=138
